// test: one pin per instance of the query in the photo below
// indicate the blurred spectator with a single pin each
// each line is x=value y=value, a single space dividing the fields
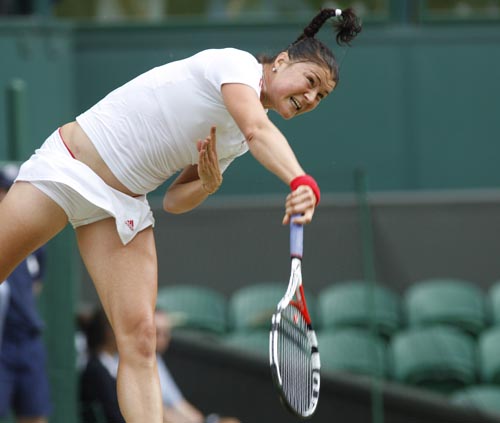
x=83 y=318
x=4 y=303
x=5 y=179
x=24 y=385
x=176 y=408
x=99 y=400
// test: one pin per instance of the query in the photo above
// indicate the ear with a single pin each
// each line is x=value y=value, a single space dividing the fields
x=281 y=59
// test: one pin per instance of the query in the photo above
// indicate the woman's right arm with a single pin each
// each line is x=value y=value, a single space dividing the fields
x=266 y=142
x=269 y=146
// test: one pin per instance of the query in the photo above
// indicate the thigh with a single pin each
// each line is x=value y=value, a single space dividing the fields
x=125 y=276
x=28 y=219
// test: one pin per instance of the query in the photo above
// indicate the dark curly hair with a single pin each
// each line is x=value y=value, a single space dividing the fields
x=307 y=48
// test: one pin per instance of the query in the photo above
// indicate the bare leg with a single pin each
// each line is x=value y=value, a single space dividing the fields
x=28 y=219
x=125 y=278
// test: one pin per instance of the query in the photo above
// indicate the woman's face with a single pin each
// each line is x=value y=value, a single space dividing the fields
x=297 y=87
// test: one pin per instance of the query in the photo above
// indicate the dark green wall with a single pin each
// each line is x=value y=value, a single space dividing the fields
x=417 y=107
x=40 y=54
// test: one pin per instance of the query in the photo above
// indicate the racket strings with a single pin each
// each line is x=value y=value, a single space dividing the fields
x=294 y=352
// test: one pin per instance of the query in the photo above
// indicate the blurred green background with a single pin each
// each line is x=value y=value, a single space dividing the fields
x=417 y=107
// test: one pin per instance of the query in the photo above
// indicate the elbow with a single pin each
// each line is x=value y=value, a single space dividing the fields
x=171 y=207
x=173 y=210
x=256 y=130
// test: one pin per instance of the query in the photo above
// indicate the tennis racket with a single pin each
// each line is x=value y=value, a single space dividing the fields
x=293 y=346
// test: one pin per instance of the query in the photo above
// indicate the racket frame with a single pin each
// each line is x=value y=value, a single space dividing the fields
x=295 y=289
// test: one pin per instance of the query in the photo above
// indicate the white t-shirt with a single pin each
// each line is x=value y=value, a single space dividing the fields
x=147 y=129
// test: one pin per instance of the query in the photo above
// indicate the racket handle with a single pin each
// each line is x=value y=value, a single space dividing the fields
x=296 y=238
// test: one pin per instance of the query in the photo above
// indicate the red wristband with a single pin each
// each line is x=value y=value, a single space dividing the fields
x=309 y=181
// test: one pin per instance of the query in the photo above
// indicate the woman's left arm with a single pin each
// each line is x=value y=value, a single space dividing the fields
x=195 y=183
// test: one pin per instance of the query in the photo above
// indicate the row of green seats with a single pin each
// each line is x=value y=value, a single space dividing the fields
x=360 y=304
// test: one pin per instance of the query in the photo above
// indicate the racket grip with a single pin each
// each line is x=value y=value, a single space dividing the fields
x=296 y=238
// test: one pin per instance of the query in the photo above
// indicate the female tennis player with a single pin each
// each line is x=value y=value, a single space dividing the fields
x=194 y=116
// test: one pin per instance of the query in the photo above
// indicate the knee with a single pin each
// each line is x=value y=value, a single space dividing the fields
x=138 y=342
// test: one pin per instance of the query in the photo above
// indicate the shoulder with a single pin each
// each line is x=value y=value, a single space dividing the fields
x=238 y=54
x=229 y=58
x=228 y=53
x=230 y=65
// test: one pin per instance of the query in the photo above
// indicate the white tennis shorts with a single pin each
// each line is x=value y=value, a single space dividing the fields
x=81 y=193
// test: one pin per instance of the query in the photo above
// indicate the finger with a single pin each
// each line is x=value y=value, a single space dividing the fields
x=213 y=135
x=208 y=149
x=201 y=156
x=305 y=218
x=286 y=219
x=299 y=205
x=212 y=139
x=202 y=159
x=303 y=191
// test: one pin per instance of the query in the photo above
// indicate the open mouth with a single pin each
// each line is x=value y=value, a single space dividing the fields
x=295 y=103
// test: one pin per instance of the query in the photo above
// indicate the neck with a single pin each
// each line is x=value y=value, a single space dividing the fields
x=266 y=76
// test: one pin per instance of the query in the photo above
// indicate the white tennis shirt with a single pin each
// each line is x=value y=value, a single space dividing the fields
x=147 y=129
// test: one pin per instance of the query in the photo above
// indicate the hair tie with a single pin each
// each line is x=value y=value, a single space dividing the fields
x=338 y=12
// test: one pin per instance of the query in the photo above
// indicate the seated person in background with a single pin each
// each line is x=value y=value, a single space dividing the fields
x=176 y=408
x=98 y=397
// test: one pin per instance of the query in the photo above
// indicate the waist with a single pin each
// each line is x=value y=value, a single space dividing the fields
x=82 y=149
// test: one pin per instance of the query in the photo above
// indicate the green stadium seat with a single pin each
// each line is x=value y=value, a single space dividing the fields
x=251 y=307
x=256 y=342
x=480 y=397
x=488 y=348
x=194 y=308
x=353 y=350
x=494 y=302
x=359 y=304
x=446 y=301
x=439 y=358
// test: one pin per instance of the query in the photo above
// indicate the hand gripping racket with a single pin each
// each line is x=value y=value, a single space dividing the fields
x=293 y=346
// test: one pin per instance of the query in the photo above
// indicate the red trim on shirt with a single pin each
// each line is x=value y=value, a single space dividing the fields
x=67 y=148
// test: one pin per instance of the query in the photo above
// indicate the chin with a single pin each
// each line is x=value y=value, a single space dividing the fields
x=287 y=115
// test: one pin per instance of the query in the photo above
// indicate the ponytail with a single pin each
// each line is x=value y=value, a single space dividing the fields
x=346 y=25
x=308 y=48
